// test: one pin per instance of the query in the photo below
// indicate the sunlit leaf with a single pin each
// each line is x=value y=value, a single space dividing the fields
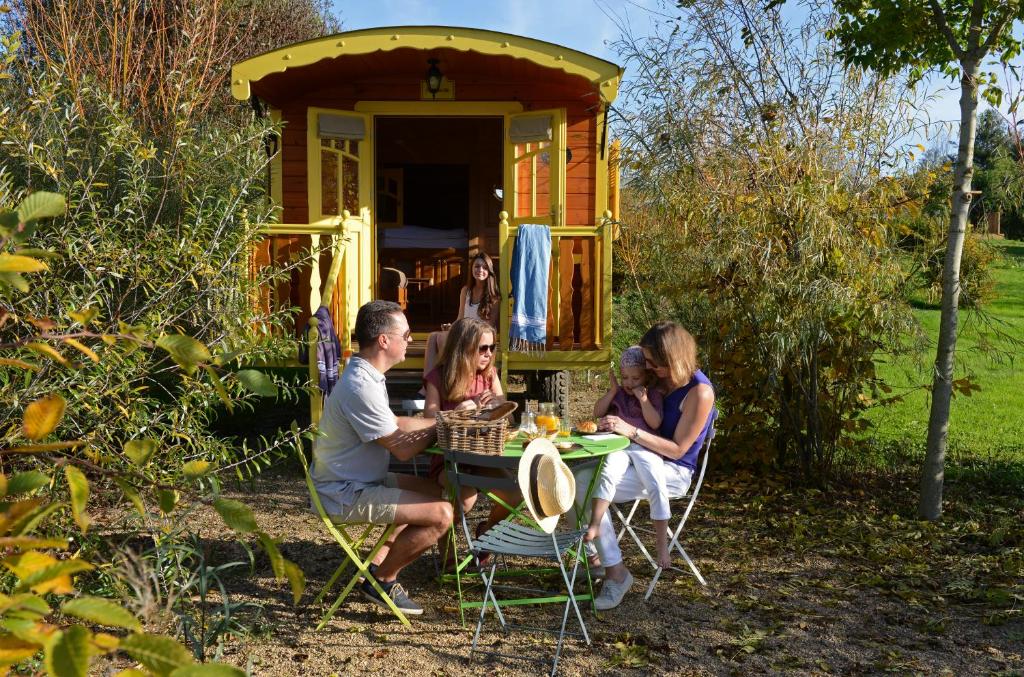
x=84 y=349
x=218 y=385
x=78 y=486
x=131 y=494
x=42 y=416
x=196 y=469
x=21 y=364
x=25 y=604
x=160 y=655
x=42 y=573
x=185 y=350
x=31 y=542
x=67 y=652
x=25 y=482
x=25 y=515
x=15 y=263
x=49 y=351
x=104 y=641
x=14 y=650
x=236 y=515
x=102 y=612
x=40 y=205
x=273 y=554
x=222 y=359
x=85 y=316
x=167 y=499
x=140 y=450
x=15 y=280
x=296 y=579
x=257 y=381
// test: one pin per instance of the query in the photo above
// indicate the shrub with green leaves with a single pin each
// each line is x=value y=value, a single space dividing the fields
x=758 y=213
x=40 y=608
x=155 y=242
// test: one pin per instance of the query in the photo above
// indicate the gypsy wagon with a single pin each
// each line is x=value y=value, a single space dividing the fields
x=406 y=149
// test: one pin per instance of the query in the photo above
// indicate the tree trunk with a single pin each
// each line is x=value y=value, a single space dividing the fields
x=933 y=473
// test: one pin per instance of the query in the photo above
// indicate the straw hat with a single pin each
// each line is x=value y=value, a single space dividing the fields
x=548 y=485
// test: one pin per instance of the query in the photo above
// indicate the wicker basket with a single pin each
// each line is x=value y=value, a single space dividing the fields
x=465 y=430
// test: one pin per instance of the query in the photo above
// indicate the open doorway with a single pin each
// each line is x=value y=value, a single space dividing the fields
x=435 y=205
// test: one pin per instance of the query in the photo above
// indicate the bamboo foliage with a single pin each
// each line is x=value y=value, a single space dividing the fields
x=758 y=212
x=164 y=59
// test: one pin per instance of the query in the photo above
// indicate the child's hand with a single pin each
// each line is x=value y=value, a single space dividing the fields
x=613 y=383
x=640 y=393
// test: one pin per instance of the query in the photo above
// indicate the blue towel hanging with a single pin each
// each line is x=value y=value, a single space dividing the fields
x=531 y=261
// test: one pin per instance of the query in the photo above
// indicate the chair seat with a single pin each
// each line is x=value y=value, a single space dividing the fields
x=509 y=538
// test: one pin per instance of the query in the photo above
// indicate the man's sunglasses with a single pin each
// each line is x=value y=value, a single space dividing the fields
x=488 y=348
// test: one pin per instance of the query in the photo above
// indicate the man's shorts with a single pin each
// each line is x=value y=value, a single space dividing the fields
x=374 y=505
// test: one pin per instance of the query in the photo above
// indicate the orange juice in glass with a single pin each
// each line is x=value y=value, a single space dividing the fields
x=547 y=418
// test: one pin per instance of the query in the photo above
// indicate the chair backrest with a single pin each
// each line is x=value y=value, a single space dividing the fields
x=313 y=495
x=462 y=470
x=704 y=453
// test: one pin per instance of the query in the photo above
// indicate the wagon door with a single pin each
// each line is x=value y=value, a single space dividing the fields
x=340 y=157
x=534 y=186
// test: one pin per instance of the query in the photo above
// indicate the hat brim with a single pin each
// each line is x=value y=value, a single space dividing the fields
x=538 y=447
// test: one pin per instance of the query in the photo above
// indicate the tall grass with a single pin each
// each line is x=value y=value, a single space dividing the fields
x=986 y=425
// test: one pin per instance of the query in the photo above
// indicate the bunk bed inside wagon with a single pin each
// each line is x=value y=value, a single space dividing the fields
x=405 y=150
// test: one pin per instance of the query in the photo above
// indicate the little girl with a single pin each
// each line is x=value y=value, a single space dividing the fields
x=632 y=401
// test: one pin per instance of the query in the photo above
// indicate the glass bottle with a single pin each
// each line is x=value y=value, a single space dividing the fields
x=528 y=423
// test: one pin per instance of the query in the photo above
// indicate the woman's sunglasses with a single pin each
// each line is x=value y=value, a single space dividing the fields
x=488 y=348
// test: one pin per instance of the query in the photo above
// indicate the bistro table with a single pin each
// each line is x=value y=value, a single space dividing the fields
x=589 y=450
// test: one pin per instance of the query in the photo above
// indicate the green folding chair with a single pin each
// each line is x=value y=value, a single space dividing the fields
x=519 y=536
x=351 y=544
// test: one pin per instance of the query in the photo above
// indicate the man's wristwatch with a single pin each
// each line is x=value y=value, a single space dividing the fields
x=636 y=434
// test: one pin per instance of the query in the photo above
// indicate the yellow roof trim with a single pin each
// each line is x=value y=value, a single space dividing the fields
x=603 y=74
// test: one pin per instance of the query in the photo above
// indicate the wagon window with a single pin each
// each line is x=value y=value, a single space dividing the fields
x=339 y=176
x=340 y=136
x=532 y=179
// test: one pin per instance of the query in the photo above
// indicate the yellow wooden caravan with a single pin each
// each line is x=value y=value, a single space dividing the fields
x=407 y=149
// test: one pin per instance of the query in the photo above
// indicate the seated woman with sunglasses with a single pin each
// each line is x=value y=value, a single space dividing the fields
x=465 y=378
x=688 y=413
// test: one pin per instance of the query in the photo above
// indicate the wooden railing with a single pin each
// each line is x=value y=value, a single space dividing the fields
x=579 y=286
x=309 y=286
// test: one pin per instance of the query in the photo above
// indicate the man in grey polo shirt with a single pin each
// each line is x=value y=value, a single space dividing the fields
x=360 y=434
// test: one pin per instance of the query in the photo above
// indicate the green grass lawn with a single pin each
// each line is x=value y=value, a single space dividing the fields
x=989 y=423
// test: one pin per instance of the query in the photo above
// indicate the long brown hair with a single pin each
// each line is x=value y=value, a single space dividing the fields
x=459 y=358
x=490 y=293
x=672 y=346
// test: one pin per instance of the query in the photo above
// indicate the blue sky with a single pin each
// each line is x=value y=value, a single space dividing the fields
x=579 y=24
x=586 y=25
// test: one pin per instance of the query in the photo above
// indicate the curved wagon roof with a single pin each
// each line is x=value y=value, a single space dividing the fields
x=315 y=58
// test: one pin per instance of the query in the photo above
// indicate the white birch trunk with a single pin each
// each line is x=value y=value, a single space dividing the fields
x=933 y=472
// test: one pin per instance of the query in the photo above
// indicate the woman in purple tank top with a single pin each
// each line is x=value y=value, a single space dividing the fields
x=689 y=400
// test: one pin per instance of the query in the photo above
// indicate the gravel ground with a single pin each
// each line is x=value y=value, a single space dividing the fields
x=770 y=607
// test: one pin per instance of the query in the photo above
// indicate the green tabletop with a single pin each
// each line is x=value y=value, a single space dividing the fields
x=591 y=448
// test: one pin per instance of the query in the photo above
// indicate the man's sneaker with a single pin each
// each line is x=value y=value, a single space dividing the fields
x=397 y=594
x=612 y=593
